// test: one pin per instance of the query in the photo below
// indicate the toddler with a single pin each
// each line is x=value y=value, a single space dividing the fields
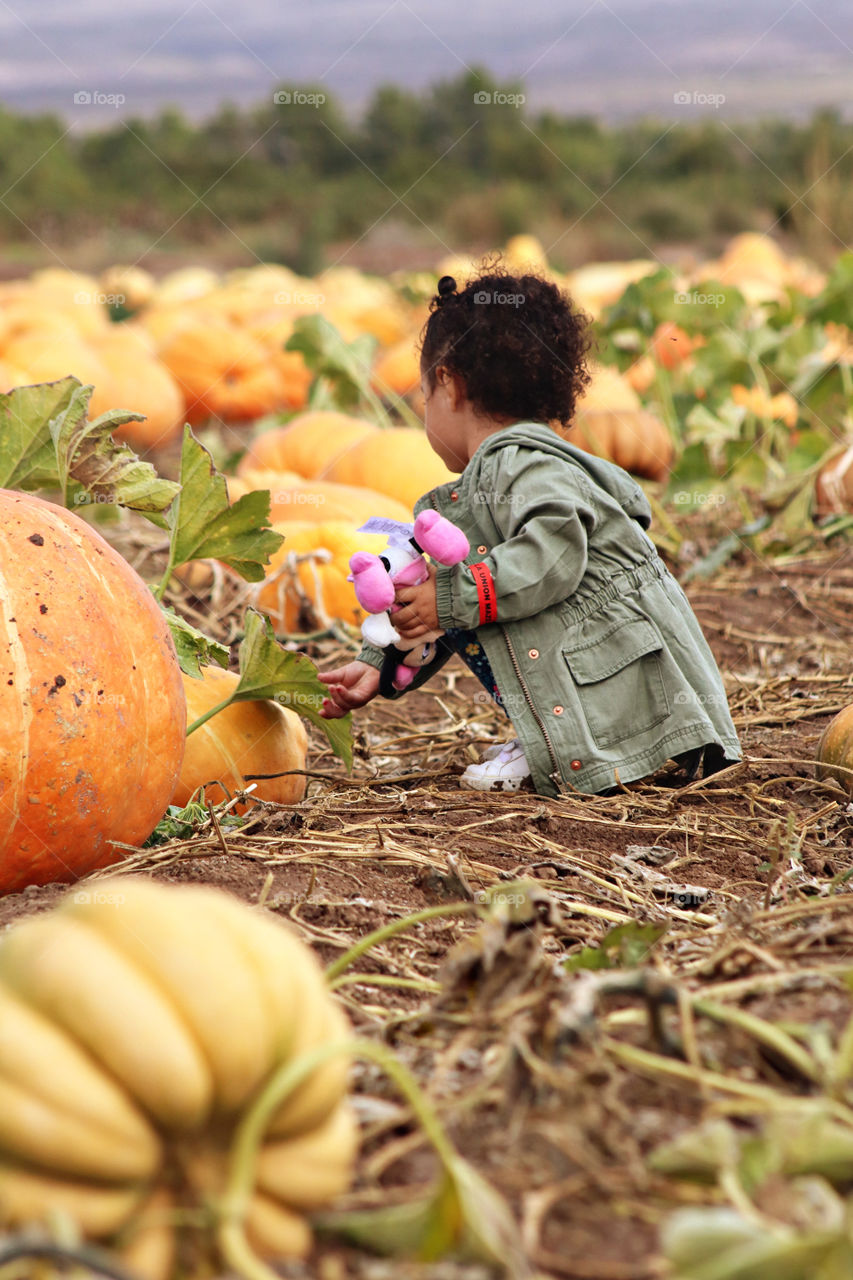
x=563 y=609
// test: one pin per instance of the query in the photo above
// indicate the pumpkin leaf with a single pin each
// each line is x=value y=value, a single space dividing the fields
x=461 y=1215
x=27 y=453
x=203 y=523
x=267 y=670
x=195 y=650
x=624 y=947
x=105 y=470
x=342 y=370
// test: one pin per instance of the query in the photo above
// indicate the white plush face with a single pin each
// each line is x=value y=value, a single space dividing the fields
x=398 y=557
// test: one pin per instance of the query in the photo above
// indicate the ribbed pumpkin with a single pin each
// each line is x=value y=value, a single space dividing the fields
x=308 y=444
x=301 y=596
x=834 y=485
x=611 y=423
x=398 y=369
x=92 y=712
x=634 y=439
x=141 y=382
x=398 y=461
x=47 y=355
x=835 y=750
x=317 y=501
x=223 y=371
x=259 y=737
x=138 y=1023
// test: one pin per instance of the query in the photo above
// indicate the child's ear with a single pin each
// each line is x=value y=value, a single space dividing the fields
x=457 y=390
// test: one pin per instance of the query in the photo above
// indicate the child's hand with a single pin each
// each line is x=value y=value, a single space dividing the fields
x=350 y=686
x=418 y=613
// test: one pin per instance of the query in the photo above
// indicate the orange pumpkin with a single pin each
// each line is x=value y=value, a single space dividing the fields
x=835 y=750
x=634 y=439
x=671 y=345
x=317 y=501
x=834 y=485
x=223 y=371
x=92 y=712
x=306 y=583
x=398 y=461
x=398 y=369
x=141 y=382
x=46 y=355
x=247 y=738
x=308 y=443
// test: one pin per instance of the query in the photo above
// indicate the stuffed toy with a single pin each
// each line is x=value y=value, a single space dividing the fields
x=401 y=564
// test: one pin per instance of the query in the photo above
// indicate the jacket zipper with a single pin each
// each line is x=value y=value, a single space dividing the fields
x=555 y=775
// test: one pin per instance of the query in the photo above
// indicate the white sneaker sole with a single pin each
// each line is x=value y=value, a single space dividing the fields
x=475 y=783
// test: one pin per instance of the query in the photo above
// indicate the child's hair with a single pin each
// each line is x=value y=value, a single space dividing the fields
x=515 y=341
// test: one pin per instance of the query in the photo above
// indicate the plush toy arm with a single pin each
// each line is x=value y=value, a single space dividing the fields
x=378 y=630
x=440 y=538
x=373 y=587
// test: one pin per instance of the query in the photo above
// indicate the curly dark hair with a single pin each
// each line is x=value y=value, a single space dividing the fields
x=516 y=342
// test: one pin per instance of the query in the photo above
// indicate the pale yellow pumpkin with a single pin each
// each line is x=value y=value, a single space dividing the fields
x=244 y=739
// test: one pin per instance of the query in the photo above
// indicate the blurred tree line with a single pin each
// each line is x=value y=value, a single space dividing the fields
x=296 y=176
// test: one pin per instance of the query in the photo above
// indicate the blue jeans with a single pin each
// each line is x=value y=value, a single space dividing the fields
x=466 y=644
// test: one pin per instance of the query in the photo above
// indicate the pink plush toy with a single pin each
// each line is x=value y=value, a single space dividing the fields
x=402 y=564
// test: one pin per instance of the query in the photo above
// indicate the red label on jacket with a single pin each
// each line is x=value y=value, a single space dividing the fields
x=485 y=592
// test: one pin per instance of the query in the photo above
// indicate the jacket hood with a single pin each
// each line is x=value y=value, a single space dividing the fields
x=622 y=487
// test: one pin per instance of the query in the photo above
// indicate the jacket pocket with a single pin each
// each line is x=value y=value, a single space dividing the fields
x=616 y=664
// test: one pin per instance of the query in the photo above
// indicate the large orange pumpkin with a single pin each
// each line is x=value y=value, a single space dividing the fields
x=223 y=371
x=306 y=584
x=632 y=438
x=247 y=738
x=835 y=750
x=398 y=461
x=92 y=711
x=317 y=501
x=141 y=382
x=308 y=443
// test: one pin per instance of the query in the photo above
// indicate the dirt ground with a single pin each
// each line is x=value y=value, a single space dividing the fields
x=747 y=873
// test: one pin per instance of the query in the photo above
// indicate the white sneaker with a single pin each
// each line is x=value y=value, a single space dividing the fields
x=497 y=748
x=501 y=769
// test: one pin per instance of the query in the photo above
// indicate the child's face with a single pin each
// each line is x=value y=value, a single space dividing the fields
x=444 y=421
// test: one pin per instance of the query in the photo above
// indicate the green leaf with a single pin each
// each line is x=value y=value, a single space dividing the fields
x=327 y=354
x=267 y=670
x=27 y=454
x=461 y=1215
x=342 y=369
x=203 y=522
x=700 y=1154
x=195 y=650
x=624 y=947
x=107 y=471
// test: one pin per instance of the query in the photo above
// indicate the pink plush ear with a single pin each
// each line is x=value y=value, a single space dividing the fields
x=373 y=586
x=440 y=538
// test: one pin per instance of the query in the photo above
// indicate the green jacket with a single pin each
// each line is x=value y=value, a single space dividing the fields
x=601 y=664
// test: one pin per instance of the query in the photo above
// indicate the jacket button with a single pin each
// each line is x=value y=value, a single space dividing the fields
x=482 y=550
x=533 y=653
x=558 y=710
x=454 y=496
x=576 y=764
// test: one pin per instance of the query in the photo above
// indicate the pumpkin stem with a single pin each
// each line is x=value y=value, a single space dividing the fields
x=209 y=714
x=337 y=967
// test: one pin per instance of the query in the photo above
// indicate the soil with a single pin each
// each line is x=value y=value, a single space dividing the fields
x=745 y=874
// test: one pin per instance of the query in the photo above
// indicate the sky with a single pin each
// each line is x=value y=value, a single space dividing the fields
x=93 y=60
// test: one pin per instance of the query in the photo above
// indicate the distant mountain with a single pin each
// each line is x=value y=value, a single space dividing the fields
x=610 y=58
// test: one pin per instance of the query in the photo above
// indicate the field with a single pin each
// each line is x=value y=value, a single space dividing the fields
x=535 y=1072
x=622 y=1007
